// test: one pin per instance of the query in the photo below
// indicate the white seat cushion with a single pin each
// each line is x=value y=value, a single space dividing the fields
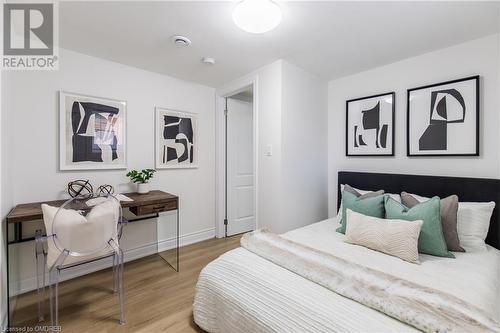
x=86 y=235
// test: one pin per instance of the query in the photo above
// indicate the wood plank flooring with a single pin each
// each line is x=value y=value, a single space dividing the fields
x=157 y=298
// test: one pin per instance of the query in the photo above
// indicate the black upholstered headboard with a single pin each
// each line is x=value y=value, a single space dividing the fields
x=467 y=189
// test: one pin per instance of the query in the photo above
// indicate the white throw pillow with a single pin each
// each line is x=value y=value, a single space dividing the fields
x=397 y=238
x=81 y=234
x=395 y=196
x=473 y=223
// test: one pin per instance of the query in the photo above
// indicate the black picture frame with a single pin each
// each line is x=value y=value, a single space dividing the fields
x=392 y=94
x=477 y=127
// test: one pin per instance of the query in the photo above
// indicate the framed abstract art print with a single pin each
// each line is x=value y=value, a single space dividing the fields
x=443 y=119
x=176 y=139
x=370 y=125
x=92 y=132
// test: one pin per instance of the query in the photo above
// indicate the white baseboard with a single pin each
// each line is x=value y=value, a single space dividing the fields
x=29 y=284
x=187 y=239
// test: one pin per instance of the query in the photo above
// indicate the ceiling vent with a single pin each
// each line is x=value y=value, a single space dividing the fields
x=181 y=41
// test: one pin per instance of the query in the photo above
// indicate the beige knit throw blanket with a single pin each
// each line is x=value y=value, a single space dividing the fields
x=424 y=308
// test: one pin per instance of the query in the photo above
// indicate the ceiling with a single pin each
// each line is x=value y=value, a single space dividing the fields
x=331 y=39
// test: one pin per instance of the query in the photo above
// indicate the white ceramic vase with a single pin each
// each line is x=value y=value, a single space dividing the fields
x=143 y=188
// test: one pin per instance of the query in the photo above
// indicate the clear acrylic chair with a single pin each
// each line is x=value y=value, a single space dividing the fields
x=76 y=235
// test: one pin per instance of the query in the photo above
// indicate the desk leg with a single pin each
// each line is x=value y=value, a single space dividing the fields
x=178 y=268
x=18 y=232
x=7 y=263
x=171 y=256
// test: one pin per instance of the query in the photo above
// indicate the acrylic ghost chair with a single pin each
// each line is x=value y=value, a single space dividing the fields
x=76 y=235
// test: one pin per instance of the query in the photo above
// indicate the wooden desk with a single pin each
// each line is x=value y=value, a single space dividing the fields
x=153 y=202
x=142 y=204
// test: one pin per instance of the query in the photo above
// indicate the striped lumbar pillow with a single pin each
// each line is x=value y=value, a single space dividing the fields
x=397 y=238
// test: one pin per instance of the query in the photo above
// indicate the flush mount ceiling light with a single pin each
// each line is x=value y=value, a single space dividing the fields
x=257 y=16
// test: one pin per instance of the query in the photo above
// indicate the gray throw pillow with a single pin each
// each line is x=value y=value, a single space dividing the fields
x=448 y=212
x=351 y=190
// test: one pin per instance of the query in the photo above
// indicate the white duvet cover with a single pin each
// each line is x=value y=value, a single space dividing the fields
x=242 y=292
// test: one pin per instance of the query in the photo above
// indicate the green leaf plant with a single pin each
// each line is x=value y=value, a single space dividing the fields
x=141 y=177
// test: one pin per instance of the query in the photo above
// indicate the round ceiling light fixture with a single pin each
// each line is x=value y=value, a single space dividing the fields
x=257 y=16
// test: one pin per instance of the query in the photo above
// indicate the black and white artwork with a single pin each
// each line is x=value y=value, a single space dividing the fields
x=370 y=126
x=92 y=132
x=176 y=139
x=443 y=119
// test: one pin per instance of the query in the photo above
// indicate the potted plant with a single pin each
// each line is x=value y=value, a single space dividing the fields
x=141 y=179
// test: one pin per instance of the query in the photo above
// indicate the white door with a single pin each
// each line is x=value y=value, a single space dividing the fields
x=240 y=173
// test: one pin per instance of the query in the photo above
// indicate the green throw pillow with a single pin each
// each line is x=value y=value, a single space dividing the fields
x=372 y=206
x=431 y=239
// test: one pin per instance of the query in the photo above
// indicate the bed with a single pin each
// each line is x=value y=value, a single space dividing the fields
x=242 y=291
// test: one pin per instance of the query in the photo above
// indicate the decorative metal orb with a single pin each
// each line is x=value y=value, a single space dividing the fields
x=80 y=189
x=105 y=190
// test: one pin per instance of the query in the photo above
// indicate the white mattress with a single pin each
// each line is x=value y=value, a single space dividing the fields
x=242 y=292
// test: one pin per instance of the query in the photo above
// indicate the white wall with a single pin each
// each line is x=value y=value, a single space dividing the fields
x=292 y=188
x=267 y=100
x=5 y=204
x=304 y=148
x=30 y=104
x=498 y=96
x=475 y=57
x=269 y=167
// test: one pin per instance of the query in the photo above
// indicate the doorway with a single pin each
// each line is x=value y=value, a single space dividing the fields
x=240 y=213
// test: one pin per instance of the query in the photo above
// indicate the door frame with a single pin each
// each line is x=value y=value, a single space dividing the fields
x=220 y=148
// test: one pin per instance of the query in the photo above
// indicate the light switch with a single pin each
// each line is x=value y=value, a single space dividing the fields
x=269 y=150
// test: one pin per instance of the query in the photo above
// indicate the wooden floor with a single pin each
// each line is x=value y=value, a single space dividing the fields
x=158 y=299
